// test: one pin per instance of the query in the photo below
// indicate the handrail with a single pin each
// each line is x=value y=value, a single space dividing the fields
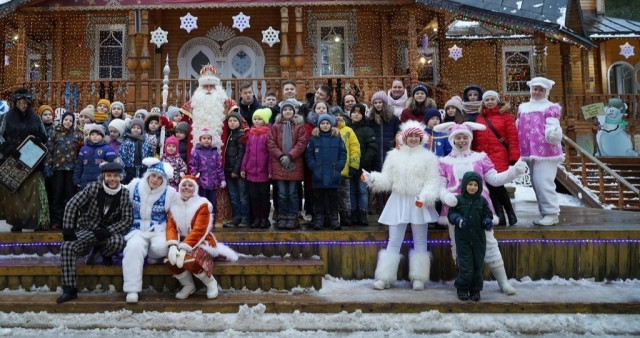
x=602 y=167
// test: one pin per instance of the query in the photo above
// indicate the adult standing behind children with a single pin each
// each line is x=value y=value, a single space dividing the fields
x=150 y=197
x=500 y=142
x=417 y=104
x=396 y=97
x=472 y=101
x=28 y=207
x=100 y=214
x=248 y=102
x=286 y=143
x=540 y=137
x=207 y=107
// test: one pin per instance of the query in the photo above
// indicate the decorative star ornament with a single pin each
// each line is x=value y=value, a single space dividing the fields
x=270 y=36
x=159 y=37
x=626 y=50
x=188 y=22
x=455 y=52
x=241 y=21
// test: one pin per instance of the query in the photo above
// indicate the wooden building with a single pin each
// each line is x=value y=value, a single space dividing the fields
x=73 y=52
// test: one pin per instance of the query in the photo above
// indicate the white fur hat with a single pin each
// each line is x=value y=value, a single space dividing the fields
x=542 y=82
x=119 y=124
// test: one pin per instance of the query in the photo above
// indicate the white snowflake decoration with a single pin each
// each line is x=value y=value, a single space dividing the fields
x=626 y=50
x=455 y=52
x=159 y=37
x=241 y=21
x=270 y=36
x=188 y=22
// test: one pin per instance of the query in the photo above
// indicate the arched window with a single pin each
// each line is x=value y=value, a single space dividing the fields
x=621 y=78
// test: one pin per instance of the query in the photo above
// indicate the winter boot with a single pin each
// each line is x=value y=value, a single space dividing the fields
x=335 y=224
x=550 y=219
x=186 y=280
x=511 y=215
x=498 y=272
x=500 y=213
x=474 y=295
x=463 y=294
x=363 y=218
x=345 y=219
x=355 y=217
x=68 y=293
x=386 y=269
x=132 y=297
x=419 y=269
x=318 y=221
x=210 y=283
x=505 y=200
x=282 y=221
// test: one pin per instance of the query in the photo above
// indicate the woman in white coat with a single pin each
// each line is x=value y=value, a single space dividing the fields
x=150 y=198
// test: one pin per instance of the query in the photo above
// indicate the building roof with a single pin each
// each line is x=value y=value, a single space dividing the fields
x=600 y=26
x=549 y=16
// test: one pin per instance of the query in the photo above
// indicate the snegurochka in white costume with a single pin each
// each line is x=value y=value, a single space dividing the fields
x=540 y=135
x=150 y=197
x=410 y=173
x=453 y=167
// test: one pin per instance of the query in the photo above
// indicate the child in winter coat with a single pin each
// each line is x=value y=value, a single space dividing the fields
x=471 y=217
x=471 y=101
x=206 y=163
x=351 y=168
x=117 y=128
x=287 y=142
x=181 y=133
x=63 y=154
x=133 y=149
x=152 y=130
x=500 y=141
x=411 y=174
x=172 y=157
x=452 y=167
x=437 y=142
x=102 y=111
x=454 y=111
x=116 y=112
x=94 y=152
x=256 y=168
x=325 y=156
x=234 y=151
x=368 y=152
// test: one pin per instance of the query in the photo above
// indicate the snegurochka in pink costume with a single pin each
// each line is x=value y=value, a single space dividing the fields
x=452 y=167
x=540 y=135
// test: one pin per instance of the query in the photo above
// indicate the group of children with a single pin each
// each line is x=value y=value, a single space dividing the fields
x=331 y=149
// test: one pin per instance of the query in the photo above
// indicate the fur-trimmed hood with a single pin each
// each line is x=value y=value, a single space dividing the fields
x=297 y=119
x=503 y=107
x=334 y=131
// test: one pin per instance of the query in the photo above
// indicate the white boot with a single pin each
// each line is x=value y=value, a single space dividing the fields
x=419 y=269
x=386 y=270
x=186 y=280
x=210 y=283
x=497 y=269
x=132 y=297
x=550 y=219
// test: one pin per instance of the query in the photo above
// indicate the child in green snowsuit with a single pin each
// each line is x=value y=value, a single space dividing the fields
x=471 y=217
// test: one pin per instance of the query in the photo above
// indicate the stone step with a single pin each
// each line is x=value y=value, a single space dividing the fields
x=251 y=273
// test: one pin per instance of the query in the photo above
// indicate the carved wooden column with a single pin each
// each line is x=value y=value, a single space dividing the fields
x=412 y=46
x=565 y=56
x=132 y=64
x=21 y=52
x=385 y=39
x=145 y=60
x=285 y=55
x=541 y=59
x=298 y=53
x=584 y=61
x=443 y=56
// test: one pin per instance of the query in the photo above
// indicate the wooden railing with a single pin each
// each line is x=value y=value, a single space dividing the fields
x=586 y=168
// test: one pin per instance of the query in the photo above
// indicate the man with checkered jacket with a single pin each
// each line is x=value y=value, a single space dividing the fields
x=99 y=215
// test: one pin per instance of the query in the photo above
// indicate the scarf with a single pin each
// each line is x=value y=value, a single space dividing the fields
x=471 y=107
x=287 y=142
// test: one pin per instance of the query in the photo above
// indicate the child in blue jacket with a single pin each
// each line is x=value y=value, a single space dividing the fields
x=437 y=142
x=94 y=152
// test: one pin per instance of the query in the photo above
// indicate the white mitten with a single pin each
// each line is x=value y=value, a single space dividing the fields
x=520 y=167
x=180 y=258
x=366 y=177
x=552 y=131
x=449 y=199
x=223 y=184
x=173 y=254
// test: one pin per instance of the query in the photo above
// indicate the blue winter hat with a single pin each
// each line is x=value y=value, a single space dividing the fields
x=431 y=112
x=326 y=117
x=156 y=167
x=419 y=88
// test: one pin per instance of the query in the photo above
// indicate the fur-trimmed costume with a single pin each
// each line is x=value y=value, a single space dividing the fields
x=146 y=236
x=208 y=107
x=411 y=174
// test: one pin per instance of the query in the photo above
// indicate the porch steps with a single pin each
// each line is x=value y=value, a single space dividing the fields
x=251 y=273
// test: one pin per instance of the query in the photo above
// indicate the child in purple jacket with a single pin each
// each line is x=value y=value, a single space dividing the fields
x=256 y=168
x=206 y=162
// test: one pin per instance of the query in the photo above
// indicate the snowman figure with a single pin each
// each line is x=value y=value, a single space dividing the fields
x=612 y=138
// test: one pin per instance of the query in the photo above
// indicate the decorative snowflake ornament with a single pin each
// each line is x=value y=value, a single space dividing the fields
x=159 y=37
x=188 y=22
x=455 y=52
x=270 y=36
x=626 y=50
x=241 y=21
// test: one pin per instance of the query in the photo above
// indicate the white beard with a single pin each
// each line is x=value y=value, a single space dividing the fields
x=208 y=111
